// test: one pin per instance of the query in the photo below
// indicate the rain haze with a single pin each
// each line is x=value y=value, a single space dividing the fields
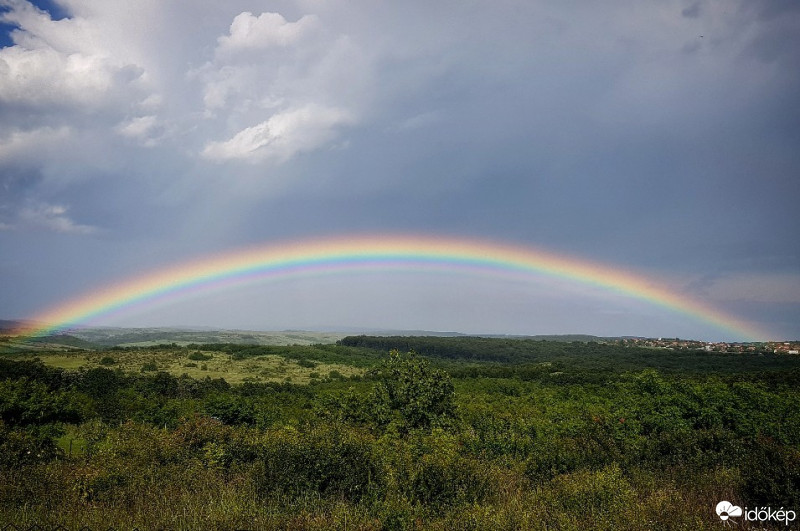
x=662 y=138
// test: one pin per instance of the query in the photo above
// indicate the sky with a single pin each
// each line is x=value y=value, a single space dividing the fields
x=658 y=137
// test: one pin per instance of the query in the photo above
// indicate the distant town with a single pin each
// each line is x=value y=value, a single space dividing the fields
x=776 y=347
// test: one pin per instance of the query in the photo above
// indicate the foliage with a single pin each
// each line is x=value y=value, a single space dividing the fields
x=562 y=436
x=26 y=402
x=411 y=394
x=323 y=460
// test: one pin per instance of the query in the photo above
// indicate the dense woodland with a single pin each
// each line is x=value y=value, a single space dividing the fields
x=434 y=433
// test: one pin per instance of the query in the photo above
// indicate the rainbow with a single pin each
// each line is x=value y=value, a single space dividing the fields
x=389 y=252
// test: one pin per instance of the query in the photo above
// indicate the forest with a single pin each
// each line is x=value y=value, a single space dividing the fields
x=396 y=433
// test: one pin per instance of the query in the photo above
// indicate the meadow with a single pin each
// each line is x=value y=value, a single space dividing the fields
x=396 y=433
x=270 y=365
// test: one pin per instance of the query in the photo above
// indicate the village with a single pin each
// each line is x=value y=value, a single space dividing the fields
x=775 y=347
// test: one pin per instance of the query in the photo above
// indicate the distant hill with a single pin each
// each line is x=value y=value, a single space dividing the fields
x=143 y=337
x=54 y=342
x=105 y=337
x=63 y=340
x=7 y=325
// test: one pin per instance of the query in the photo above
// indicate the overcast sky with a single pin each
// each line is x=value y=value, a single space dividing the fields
x=663 y=136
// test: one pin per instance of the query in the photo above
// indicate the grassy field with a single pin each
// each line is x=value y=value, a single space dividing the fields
x=106 y=337
x=262 y=368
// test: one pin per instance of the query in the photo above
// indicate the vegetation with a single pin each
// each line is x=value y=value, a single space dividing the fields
x=235 y=363
x=466 y=433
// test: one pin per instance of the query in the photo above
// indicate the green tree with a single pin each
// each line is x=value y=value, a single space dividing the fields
x=412 y=394
x=24 y=403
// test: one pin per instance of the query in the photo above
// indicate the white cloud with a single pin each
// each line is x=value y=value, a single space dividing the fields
x=52 y=218
x=266 y=30
x=21 y=145
x=44 y=75
x=298 y=82
x=137 y=127
x=225 y=83
x=420 y=121
x=73 y=61
x=158 y=76
x=281 y=136
x=142 y=128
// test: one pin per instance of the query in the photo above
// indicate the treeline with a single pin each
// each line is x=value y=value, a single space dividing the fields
x=579 y=356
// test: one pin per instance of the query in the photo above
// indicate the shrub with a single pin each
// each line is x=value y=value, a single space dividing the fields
x=197 y=431
x=444 y=480
x=107 y=360
x=149 y=367
x=199 y=356
x=771 y=474
x=549 y=461
x=24 y=403
x=324 y=461
x=231 y=409
x=31 y=369
x=602 y=496
x=162 y=383
x=411 y=393
x=23 y=446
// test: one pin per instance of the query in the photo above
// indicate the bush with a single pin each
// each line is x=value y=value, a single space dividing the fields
x=771 y=474
x=100 y=382
x=107 y=360
x=161 y=384
x=33 y=370
x=197 y=431
x=587 y=495
x=324 y=461
x=549 y=461
x=24 y=446
x=231 y=409
x=26 y=403
x=411 y=394
x=149 y=367
x=445 y=480
x=199 y=356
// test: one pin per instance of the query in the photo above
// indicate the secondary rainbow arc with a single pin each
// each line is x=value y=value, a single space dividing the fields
x=379 y=253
